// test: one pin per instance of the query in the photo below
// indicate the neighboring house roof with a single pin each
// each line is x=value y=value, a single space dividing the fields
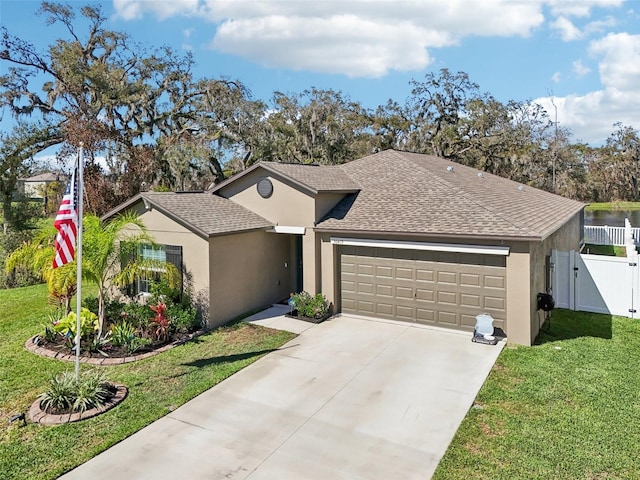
x=44 y=177
x=313 y=179
x=205 y=214
x=419 y=194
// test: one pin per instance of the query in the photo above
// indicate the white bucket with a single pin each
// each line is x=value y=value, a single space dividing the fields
x=484 y=324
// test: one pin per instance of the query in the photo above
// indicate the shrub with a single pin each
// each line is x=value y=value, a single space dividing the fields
x=100 y=344
x=113 y=310
x=49 y=333
x=21 y=277
x=61 y=394
x=162 y=292
x=160 y=323
x=124 y=335
x=311 y=306
x=67 y=325
x=183 y=319
x=137 y=315
x=122 y=332
x=91 y=304
x=66 y=394
x=136 y=343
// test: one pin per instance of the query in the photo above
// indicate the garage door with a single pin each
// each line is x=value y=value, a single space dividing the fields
x=436 y=288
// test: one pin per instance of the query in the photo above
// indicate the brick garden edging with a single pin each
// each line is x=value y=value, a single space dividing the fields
x=70 y=357
x=38 y=416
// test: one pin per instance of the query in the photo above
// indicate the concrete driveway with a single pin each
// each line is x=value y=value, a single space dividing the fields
x=350 y=398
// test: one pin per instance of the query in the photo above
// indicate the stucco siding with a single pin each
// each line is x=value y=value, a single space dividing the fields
x=248 y=271
x=519 y=294
x=330 y=273
x=325 y=202
x=194 y=253
x=311 y=260
x=286 y=206
x=564 y=239
x=35 y=189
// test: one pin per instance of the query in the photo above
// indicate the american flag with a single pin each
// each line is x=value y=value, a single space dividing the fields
x=66 y=223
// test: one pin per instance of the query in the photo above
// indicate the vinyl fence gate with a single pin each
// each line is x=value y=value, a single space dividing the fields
x=596 y=283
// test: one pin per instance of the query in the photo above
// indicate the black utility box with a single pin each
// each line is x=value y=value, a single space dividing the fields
x=546 y=302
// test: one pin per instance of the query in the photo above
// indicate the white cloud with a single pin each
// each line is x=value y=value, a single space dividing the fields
x=352 y=49
x=580 y=8
x=361 y=37
x=580 y=69
x=364 y=38
x=599 y=26
x=555 y=78
x=620 y=65
x=567 y=30
x=591 y=116
x=134 y=9
x=370 y=38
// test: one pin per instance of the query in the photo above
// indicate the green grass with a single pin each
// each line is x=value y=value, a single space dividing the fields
x=611 y=250
x=626 y=206
x=157 y=385
x=567 y=408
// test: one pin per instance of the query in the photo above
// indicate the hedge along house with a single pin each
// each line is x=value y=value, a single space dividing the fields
x=393 y=235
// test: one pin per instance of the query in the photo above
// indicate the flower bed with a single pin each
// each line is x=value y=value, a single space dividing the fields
x=38 y=415
x=60 y=351
x=130 y=331
x=310 y=308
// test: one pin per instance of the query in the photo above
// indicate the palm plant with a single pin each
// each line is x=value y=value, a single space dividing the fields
x=36 y=256
x=108 y=258
x=109 y=255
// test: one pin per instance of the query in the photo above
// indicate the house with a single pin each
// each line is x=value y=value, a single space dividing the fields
x=394 y=235
x=36 y=187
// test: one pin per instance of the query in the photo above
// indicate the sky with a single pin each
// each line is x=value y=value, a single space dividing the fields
x=583 y=56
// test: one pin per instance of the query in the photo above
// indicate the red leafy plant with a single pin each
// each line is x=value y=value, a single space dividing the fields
x=160 y=323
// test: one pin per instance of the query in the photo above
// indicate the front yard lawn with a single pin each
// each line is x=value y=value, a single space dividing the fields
x=567 y=408
x=157 y=385
x=627 y=206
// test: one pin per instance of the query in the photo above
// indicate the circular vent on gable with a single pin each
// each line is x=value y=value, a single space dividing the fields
x=265 y=188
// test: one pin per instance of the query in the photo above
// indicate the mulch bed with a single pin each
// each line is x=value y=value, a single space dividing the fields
x=37 y=415
x=295 y=315
x=117 y=355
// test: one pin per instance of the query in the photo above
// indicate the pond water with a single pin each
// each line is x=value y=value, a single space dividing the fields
x=612 y=218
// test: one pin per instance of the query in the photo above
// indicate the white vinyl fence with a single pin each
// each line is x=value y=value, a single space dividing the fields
x=605 y=235
x=596 y=283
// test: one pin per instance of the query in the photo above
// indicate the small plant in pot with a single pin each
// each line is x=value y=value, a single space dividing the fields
x=313 y=308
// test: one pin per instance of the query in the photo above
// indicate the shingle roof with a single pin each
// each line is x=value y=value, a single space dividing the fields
x=206 y=214
x=317 y=178
x=312 y=178
x=45 y=177
x=413 y=193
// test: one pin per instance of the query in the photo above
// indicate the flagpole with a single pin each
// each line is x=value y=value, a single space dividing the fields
x=79 y=256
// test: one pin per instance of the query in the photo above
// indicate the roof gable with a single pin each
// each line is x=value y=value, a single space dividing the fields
x=311 y=179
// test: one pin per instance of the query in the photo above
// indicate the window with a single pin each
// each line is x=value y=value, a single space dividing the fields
x=160 y=254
